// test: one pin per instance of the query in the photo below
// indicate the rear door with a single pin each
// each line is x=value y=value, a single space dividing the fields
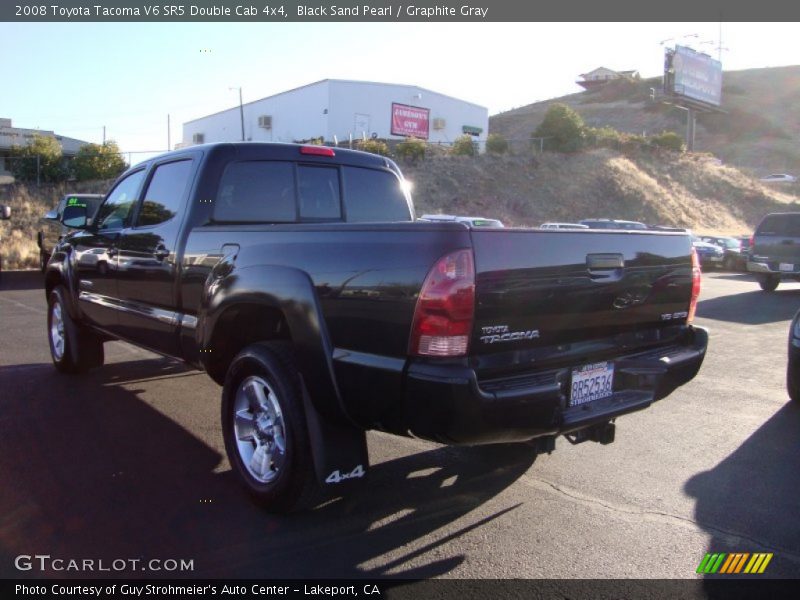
x=148 y=259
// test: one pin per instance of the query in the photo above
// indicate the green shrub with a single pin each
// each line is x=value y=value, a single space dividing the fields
x=496 y=144
x=373 y=146
x=50 y=166
x=562 y=128
x=411 y=150
x=95 y=161
x=668 y=140
x=605 y=137
x=463 y=146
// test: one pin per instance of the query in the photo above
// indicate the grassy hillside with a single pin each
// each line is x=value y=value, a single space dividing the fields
x=654 y=187
x=759 y=132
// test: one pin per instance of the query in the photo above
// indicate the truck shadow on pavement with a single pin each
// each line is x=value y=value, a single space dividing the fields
x=89 y=470
x=751 y=308
x=22 y=280
x=737 y=500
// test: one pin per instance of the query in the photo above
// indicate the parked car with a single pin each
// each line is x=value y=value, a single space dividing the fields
x=612 y=224
x=793 y=365
x=710 y=255
x=775 y=251
x=297 y=278
x=733 y=258
x=52 y=226
x=471 y=221
x=5 y=215
x=779 y=178
x=552 y=225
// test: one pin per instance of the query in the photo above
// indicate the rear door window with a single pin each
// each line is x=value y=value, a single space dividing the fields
x=372 y=195
x=257 y=192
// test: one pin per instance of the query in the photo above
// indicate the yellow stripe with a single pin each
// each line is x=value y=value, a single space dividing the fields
x=724 y=568
x=765 y=563
x=752 y=564
x=741 y=562
x=761 y=557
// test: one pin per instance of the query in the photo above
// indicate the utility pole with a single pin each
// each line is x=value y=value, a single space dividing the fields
x=169 y=142
x=241 y=108
x=104 y=135
x=691 y=119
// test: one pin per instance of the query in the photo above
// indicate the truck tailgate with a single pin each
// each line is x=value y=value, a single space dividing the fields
x=540 y=294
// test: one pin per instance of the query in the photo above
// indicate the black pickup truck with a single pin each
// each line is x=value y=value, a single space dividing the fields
x=297 y=278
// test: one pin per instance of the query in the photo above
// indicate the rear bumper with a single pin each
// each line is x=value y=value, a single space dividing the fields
x=448 y=404
x=771 y=268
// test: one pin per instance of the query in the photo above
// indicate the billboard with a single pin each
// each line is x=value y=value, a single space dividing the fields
x=693 y=75
x=410 y=121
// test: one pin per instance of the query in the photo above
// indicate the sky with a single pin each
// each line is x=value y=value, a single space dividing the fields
x=76 y=78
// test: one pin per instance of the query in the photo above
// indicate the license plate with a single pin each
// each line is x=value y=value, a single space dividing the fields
x=785 y=267
x=591 y=382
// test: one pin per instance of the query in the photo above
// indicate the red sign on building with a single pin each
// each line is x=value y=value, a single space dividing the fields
x=410 y=121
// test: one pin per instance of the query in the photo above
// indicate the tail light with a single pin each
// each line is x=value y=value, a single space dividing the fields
x=445 y=308
x=752 y=241
x=696 y=277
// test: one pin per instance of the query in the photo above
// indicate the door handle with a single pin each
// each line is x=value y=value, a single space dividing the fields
x=161 y=252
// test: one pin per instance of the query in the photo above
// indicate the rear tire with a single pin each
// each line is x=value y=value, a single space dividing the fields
x=73 y=348
x=769 y=283
x=730 y=264
x=265 y=430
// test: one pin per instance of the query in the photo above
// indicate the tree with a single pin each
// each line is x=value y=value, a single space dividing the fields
x=496 y=144
x=41 y=160
x=411 y=150
x=463 y=146
x=562 y=128
x=374 y=146
x=96 y=161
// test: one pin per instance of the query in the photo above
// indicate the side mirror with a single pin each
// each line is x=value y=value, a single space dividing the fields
x=51 y=215
x=5 y=212
x=74 y=216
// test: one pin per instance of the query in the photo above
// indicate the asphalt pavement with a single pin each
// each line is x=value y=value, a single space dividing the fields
x=127 y=463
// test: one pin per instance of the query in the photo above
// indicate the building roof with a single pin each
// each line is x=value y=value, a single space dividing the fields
x=322 y=81
x=20 y=136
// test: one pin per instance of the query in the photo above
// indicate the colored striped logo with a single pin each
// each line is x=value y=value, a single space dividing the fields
x=734 y=563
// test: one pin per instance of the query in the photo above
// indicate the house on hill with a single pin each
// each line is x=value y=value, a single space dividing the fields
x=601 y=76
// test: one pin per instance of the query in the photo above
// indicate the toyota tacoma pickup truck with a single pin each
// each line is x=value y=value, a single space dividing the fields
x=297 y=278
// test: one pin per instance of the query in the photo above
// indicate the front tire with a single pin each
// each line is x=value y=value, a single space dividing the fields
x=73 y=348
x=265 y=431
x=769 y=283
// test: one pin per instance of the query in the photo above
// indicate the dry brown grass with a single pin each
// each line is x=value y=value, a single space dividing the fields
x=28 y=204
x=654 y=187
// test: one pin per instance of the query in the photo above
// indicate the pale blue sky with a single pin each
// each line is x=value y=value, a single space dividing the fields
x=75 y=78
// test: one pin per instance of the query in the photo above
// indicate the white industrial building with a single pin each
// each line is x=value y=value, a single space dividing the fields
x=337 y=109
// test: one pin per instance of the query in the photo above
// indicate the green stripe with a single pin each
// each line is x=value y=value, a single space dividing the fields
x=702 y=567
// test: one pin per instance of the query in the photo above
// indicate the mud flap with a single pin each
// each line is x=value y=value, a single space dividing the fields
x=339 y=450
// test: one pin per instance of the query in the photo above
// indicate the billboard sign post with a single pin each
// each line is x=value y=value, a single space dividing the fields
x=410 y=121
